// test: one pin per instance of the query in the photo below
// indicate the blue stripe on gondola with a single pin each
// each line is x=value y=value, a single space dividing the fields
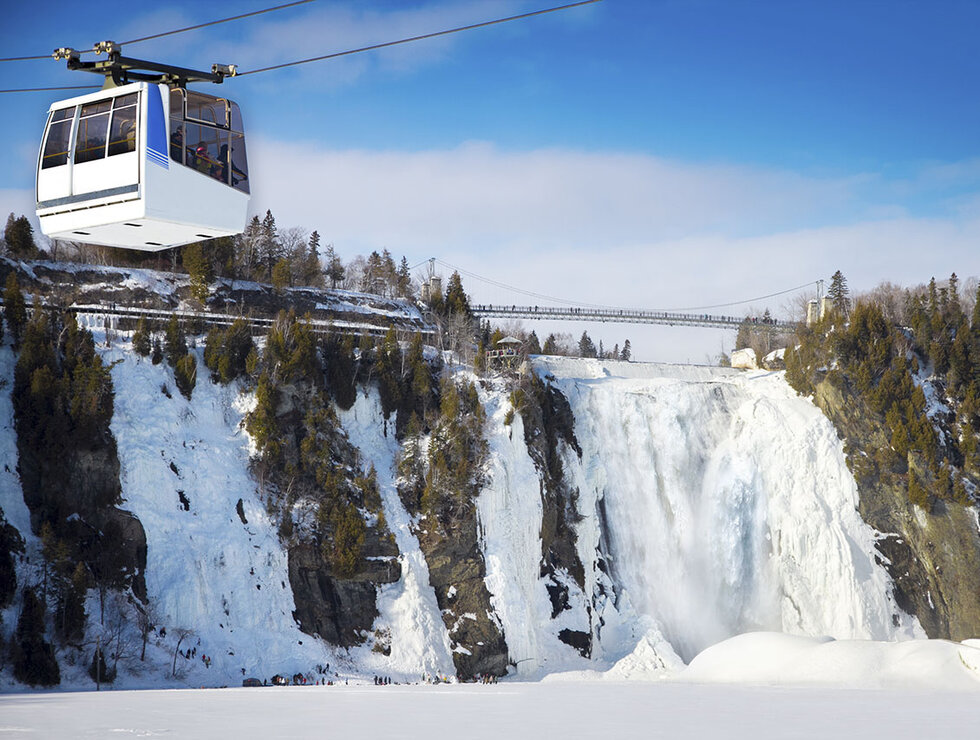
x=156 y=129
x=155 y=156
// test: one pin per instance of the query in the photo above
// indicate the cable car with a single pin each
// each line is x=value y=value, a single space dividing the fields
x=144 y=166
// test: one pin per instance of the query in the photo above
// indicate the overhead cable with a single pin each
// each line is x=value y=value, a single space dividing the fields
x=422 y=37
x=215 y=23
x=165 y=33
x=498 y=284
x=45 y=89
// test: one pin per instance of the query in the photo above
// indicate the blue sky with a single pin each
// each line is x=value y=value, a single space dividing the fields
x=633 y=152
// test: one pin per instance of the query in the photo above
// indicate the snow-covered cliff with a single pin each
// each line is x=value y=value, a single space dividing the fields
x=709 y=502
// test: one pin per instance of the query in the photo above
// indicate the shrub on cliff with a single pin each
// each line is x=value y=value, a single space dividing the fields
x=141 y=338
x=185 y=375
x=11 y=543
x=226 y=351
x=32 y=656
x=14 y=308
x=174 y=341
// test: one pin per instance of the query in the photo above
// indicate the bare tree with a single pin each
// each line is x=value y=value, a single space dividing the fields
x=145 y=619
x=182 y=634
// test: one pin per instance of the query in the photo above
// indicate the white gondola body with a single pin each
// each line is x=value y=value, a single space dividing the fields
x=138 y=199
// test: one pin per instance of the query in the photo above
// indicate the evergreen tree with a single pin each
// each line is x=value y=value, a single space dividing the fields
x=586 y=348
x=281 y=276
x=97 y=669
x=262 y=423
x=551 y=346
x=226 y=352
x=388 y=368
x=19 y=237
x=185 y=375
x=531 y=344
x=70 y=624
x=457 y=301
x=200 y=269
x=141 y=338
x=157 y=357
x=312 y=268
x=14 y=309
x=334 y=267
x=954 y=311
x=11 y=543
x=33 y=657
x=626 y=353
x=174 y=342
x=404 y=280
x=270 y=250
x=8 y=228
x=838 y=294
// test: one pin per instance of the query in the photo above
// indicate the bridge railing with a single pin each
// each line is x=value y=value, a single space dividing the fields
x=629 y=316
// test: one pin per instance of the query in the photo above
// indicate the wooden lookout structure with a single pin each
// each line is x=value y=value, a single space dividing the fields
x=507 y=353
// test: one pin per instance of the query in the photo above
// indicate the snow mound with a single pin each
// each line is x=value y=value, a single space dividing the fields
x=775 y=658
x=653 y=658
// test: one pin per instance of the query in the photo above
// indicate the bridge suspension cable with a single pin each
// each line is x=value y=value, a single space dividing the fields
x=607 y=307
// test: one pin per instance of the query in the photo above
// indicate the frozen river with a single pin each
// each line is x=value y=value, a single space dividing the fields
x=540 y=710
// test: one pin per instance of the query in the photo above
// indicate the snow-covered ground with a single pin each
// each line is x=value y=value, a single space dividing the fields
x=615 y=710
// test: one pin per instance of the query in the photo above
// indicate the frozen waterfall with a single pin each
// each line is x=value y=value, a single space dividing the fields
x=722 y=504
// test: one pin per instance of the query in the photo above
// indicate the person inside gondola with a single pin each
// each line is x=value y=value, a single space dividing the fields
x=237 y=175
x=177 y=144
x=201 y=161
x=220 y=170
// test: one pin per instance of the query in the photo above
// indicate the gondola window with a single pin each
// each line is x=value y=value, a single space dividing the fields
x=93 y=126
x=122 y=133
x=57 y=140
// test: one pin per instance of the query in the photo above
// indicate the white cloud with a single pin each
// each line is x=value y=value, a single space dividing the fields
x=329 y=28
x=547 y=198
x=613 y=228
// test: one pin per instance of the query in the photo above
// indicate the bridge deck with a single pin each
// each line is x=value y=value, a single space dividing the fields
x=628 y=316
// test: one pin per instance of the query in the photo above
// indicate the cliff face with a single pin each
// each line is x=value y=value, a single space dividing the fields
x=618 y=515
x=340 y=551
x=934 y=557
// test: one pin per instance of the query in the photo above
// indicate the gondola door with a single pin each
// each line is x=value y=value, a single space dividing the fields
x=54 y=169
x=106 y=158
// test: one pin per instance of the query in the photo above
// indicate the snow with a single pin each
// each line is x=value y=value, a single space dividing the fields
x=206 y=570
x=509 y=512
x=775 y=658
x=728 y=507
x=408 y=610
x=618 y=710
x=721 y=500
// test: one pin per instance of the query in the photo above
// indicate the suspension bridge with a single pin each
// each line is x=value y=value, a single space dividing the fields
x=629 y=316
x=558 y=309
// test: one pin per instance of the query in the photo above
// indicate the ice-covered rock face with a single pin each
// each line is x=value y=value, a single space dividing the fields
x=724 y=505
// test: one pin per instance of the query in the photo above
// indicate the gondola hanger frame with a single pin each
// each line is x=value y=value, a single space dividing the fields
x=120 y=70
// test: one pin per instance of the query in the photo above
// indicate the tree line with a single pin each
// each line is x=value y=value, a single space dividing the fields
x=884 y=347
x=263 y=252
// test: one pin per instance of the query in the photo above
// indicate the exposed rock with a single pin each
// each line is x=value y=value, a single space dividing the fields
x=161 y=289
x=340 y=610
x=457 y=572
x=933 y=558
x=548 y=427
x=335 y=596
x=581 y=641
x=78 y=493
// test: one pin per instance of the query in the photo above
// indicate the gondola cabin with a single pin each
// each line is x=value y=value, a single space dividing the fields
x=142 y=166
